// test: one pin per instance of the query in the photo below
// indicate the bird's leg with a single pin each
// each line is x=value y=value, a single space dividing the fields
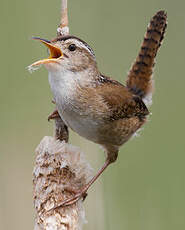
x=53 y=115
x=112 y=154
x=82 y=193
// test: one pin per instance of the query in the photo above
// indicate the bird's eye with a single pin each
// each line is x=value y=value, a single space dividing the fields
x=72 y=47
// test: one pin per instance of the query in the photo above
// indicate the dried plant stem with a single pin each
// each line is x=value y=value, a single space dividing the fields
x=63 y=28
x=58 y=168
x=64 y=14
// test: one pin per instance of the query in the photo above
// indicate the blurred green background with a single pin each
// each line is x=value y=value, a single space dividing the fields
x=145 y=188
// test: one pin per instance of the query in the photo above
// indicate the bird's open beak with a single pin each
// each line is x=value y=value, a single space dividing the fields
x=55 y=53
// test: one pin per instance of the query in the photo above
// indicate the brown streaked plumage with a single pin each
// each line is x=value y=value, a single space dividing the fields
x=95 y=106
x=118 y=112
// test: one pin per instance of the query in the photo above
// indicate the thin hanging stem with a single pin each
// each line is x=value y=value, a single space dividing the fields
x=64 y=14
x=63 y=28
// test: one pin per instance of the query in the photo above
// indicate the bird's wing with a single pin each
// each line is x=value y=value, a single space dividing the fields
x=121 y=103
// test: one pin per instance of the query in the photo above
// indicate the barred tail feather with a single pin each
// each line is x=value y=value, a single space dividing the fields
x=139 y=79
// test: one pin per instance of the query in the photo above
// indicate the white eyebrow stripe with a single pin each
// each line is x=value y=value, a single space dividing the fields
x=82 y=44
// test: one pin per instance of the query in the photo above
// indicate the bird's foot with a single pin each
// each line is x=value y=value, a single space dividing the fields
x=78 y=194
x=53 y=115
x=82 y=193
x=53 y=101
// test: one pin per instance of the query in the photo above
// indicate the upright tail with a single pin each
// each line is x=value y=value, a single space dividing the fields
x=139 y=79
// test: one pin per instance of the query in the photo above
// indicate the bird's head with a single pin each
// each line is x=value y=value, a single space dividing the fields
x=67 y=53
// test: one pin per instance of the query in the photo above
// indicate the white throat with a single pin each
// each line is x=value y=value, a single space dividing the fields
x=61 y=83
x=64 y=83
x=64 y=86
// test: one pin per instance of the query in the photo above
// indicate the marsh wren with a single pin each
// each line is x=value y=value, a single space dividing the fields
x=97 y=107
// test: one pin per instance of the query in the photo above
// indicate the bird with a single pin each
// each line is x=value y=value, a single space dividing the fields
x=95 y=106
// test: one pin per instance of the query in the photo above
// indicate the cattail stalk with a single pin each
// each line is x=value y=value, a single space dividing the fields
x=59 y=169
